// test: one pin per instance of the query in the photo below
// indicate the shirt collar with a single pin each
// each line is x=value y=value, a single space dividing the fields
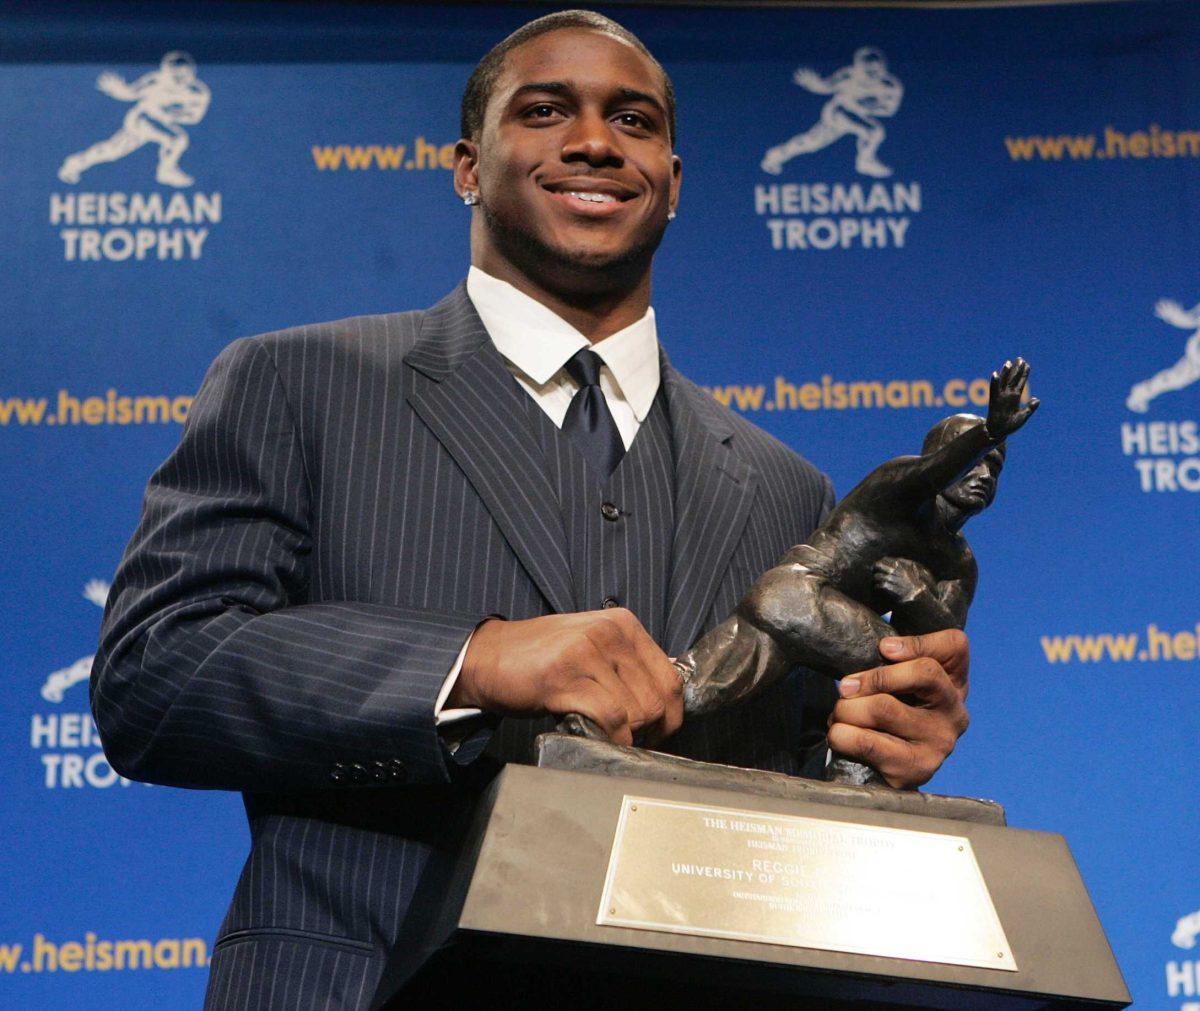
x=539 y=342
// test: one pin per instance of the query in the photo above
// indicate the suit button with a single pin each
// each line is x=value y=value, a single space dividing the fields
x=397 y=771
x=379 y=772
x=338 y=773
x=610 y=512
x=358 y=774
x=611 y=602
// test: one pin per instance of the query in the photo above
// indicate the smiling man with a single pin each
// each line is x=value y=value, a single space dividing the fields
x=390 y=550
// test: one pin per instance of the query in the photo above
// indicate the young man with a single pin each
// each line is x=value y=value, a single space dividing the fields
x=379 y=536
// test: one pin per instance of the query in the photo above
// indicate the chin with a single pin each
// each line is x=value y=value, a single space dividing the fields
x=580 y=252
x=591 y=258
x=968 y=504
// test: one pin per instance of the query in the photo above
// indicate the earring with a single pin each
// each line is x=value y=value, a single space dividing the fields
x=671 y=215
x=470 y=198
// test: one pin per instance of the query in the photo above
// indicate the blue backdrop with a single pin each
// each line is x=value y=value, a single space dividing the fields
x=856 y=246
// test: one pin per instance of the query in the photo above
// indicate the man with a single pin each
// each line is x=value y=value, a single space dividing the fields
x=377 y=526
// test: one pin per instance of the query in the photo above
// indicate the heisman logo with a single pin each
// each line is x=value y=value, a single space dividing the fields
x=57 y=683
x=1184 y=372
x=860 y=95
x=1186 y=930
x=842 y=213
x=164 y=101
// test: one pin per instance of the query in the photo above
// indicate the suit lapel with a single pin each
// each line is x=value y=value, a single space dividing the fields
x=713 y=494
x=476 y=410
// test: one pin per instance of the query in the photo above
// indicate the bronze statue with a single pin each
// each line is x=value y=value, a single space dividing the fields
x=893 y=544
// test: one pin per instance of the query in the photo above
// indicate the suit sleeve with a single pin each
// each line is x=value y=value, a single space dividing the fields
x=213 y=669
x=828 y=501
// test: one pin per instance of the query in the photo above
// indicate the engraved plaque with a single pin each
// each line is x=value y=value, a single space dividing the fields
x=805 y=882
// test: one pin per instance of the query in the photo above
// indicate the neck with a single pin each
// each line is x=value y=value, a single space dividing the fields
x=599 y=308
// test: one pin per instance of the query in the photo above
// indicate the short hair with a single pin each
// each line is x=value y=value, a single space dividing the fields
x=482 y=81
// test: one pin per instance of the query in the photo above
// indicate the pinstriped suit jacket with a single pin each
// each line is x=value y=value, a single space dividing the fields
x=346 y=502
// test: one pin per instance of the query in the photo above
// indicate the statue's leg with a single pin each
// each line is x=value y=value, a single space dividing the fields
x=817 y=625
x=732 y=661
x=820 y=627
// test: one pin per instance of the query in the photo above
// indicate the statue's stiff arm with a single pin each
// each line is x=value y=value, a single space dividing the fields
x=938 y=470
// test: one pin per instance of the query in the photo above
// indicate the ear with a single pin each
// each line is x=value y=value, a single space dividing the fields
x=466 y=167
x=676 y=180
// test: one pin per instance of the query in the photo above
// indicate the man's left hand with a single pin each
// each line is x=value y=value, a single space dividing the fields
x=905 y=717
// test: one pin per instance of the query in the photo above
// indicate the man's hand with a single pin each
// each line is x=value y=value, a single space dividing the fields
x=600 y=664
x=904 y=718
x=1005 y=413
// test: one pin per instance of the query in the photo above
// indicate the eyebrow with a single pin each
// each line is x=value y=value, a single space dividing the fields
x=562 y=87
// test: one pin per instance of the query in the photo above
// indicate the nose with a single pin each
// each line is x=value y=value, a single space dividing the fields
x=591 y=139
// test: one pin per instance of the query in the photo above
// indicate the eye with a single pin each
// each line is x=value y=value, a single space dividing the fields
x=543 y=110
x=634 y=119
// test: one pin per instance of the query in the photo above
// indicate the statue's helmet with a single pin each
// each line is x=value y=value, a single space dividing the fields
x=870 y=58
x=947 y=429
x=179 y=65
x=973 y=491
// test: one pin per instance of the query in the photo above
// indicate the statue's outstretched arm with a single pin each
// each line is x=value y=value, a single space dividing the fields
x=1006 y=414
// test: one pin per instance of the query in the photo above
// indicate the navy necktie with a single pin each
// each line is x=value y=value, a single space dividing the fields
x=588 y=421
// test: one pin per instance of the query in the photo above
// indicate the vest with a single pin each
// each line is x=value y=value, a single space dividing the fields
x=619 y=530
x=619 y=534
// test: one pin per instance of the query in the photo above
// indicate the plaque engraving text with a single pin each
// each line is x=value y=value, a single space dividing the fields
x=805 y=882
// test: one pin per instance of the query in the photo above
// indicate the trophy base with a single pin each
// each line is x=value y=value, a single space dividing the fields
x=583 y=754
x=605 y=878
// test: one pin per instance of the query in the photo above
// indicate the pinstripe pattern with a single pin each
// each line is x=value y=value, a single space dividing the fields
x=345 y=503
x=628 y=559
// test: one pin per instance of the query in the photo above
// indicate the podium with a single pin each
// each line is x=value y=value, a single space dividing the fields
x=609 y=876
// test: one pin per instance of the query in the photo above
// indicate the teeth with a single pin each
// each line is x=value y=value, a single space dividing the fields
x=595 y=198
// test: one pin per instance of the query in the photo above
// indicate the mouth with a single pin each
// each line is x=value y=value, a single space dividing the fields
x=979 y=490
x=590 y=197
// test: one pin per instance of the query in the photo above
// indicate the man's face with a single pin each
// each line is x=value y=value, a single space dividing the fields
x=573 y=166
x=975 y=490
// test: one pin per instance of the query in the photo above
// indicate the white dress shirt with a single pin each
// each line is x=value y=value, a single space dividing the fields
x=536 y=344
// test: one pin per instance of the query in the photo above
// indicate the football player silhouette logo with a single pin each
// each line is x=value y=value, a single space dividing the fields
x=164 y=101
x=860 y=95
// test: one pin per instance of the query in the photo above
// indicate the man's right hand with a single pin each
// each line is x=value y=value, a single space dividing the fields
x=600 y=664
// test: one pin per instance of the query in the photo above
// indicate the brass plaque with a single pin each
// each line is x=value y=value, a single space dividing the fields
x=804 y=882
